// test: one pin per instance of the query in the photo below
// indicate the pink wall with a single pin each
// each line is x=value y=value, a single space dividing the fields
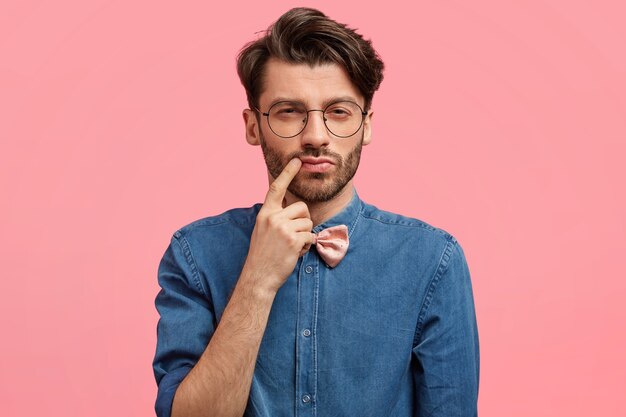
x=502 y=122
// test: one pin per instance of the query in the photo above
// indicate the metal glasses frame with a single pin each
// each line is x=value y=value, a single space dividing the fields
x=306 y=121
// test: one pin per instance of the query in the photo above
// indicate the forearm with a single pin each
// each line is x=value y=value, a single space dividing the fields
x=219 y=383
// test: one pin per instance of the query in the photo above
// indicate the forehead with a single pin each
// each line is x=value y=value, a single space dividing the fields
x=312 y=85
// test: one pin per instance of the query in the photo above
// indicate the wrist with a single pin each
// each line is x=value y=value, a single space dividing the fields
x=256 y=285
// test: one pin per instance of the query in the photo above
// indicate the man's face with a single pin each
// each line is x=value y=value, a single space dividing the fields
x=315 y=87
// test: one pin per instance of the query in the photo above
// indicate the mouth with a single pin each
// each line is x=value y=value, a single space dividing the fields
x=310 y=164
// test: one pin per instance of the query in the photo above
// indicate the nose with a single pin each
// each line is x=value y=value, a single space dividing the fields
x=315 y=134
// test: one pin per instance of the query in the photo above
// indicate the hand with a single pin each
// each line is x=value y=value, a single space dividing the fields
x=280 y=235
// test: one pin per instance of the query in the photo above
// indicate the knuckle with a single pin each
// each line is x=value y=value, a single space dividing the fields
x=301 y=207
x=273 y=220
x=292 y=241
x=274 y=188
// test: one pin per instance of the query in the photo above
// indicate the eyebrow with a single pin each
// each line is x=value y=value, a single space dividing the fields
x=324 y=103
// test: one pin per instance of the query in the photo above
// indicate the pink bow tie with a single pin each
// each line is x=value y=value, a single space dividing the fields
x=332 y=244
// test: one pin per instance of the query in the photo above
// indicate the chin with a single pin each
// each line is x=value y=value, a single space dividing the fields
x=314 y=191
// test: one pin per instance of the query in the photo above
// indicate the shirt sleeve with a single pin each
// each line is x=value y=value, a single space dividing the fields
x=446 y=342
x=186 y=322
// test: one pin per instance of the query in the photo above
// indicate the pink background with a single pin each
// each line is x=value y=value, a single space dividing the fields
x=503 y=122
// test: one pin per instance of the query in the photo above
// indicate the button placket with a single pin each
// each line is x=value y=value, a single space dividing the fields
x=305 y=344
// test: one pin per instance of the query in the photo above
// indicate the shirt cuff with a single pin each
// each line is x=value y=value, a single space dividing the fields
x=167 y=389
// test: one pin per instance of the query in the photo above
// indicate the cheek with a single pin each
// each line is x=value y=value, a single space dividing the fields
x=347 y=149
x=284 y=146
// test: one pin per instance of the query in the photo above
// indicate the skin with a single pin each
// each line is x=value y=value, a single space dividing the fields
x=312 y=86
x=343 y=171
x=219 y=383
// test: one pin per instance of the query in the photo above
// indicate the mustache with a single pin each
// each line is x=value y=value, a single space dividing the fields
x=316 y=153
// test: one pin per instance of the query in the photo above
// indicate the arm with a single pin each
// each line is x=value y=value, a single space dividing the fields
x=446 y=342
x=219 y=384
x=216 y=375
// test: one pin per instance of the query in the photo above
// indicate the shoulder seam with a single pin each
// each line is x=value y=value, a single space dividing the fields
x=444 y=262
x=184 y=244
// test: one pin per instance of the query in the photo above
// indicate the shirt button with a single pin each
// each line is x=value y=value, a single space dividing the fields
x=306 y=398
x=306 y=332
x=308 y=269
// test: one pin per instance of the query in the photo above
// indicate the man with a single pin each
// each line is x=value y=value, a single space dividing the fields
x=314 y=303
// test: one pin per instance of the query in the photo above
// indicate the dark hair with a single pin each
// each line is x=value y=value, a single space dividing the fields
x=308 y=36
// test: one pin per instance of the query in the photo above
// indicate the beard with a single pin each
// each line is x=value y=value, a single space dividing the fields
x=314 y=187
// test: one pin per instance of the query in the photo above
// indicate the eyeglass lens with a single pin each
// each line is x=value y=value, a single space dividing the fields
x=288 y=118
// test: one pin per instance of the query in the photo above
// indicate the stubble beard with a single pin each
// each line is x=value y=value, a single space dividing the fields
x=314 y=187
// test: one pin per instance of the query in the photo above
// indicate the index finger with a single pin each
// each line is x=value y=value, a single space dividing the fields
x=278 y=188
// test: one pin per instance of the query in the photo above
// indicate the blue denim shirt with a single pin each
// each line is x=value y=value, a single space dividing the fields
x=390 y=331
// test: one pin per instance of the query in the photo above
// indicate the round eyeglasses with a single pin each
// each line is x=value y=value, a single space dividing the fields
x=289 y=118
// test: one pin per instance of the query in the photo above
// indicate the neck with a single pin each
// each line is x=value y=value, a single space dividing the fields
x=324 y=210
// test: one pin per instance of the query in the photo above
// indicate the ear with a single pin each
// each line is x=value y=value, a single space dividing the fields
x=252 y=127
x=367 y=128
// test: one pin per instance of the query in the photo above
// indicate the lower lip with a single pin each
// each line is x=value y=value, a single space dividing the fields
x=321 y=167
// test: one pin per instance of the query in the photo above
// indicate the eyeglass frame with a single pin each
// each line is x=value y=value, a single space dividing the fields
x=363 y=114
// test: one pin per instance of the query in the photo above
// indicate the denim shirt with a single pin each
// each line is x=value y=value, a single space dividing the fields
x=390 y=331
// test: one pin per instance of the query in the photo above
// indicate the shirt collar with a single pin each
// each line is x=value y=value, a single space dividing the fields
x=349 y=215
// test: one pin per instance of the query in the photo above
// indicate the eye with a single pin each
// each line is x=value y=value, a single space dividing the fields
x=338 y=112
x=287 y=110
